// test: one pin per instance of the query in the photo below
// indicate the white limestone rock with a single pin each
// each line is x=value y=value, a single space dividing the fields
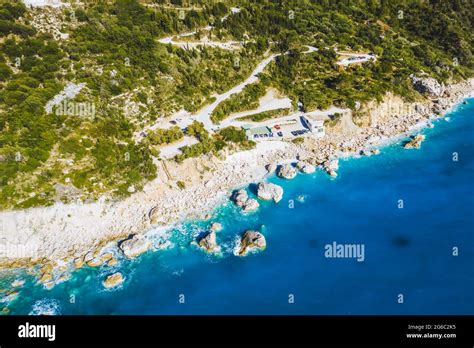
x=135 y=246
x=287 y=171
x=427 y=85
x=269 y=191
x=250 y=205
x=241 y=197
x=305 y=167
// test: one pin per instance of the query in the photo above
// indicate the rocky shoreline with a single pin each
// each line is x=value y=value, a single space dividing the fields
x=52 y=241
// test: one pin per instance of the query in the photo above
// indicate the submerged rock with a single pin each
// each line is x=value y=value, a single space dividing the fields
x=209 y=242
x=252 y=240
x=113 y=280
x=10 y=296
x=415 y=142
x=305 y=167
x=287 y=171
x=268 y=191
x=134 y=246
x=215 y=227
x=17 y=283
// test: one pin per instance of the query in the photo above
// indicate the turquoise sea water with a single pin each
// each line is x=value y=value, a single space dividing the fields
x=408 y=251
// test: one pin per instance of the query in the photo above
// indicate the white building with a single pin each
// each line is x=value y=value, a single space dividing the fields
x=315 y=125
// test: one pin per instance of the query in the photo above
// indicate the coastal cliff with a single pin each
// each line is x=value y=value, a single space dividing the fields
x=59 y=234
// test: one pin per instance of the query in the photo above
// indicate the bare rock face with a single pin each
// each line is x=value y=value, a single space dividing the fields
x=250 y=205
x=252 y=240
x=427 y=85
x=268 y=191
x=305 y=167
x=415 y=142
x=134 y=246
x=113 y=280
x=287 y=171
x=209 y=242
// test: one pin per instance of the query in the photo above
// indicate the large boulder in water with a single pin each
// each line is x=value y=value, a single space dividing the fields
x=113 y=280
x=240 y=197
x=269 y=191
x=134 y=246
x=415 y=142
x=252 y=240
x=209 y=242
x=250 y=205
x=331 y=167
x=287 y=171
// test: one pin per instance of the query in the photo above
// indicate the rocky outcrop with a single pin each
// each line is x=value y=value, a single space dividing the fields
x=240 y=197
x=287 y=171
x=10 y=296
x=134 y=246
x=95 y=262
x=331 y=167
x=269 y=191
x=251 y=240
x=46 y=273
x=113 y=280
x=415 y=142
x=78 y=262
x=250 y=205
x=112 y=262
x=209 y=242
x=18 y=283
x=305 y=167
x=271 y=167
x=242 y=200
x=215 y=227
x=427 y=85
x=106 y=257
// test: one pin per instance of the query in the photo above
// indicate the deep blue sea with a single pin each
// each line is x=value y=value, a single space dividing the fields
x=408 y=251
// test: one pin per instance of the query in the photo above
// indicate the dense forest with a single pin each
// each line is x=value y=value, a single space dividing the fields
x=132 y=79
